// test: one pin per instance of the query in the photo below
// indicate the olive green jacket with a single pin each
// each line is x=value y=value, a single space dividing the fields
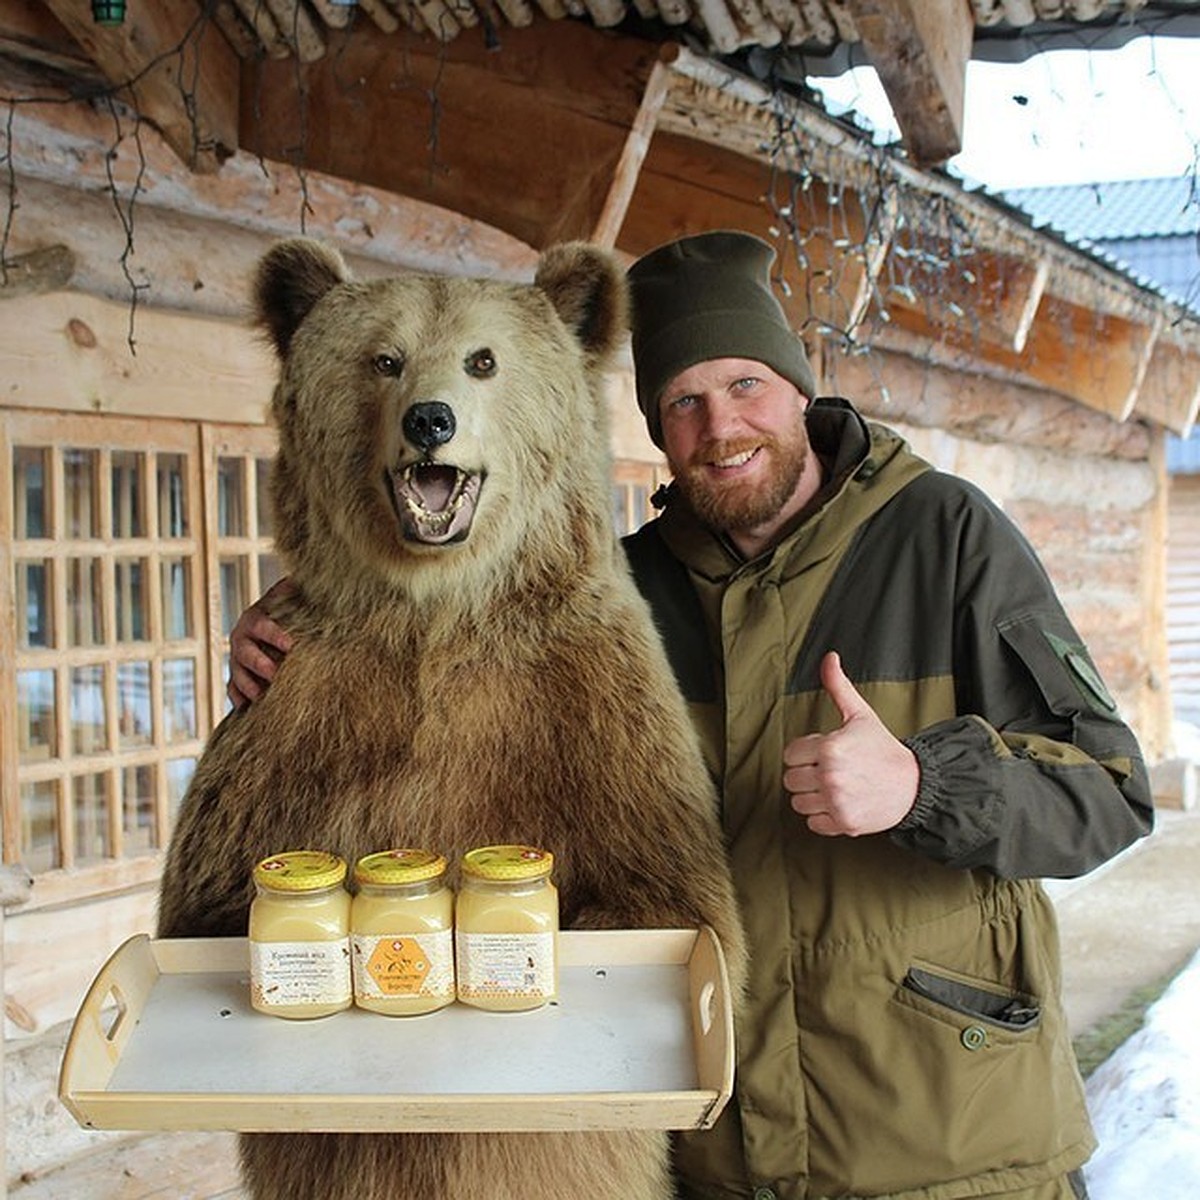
x=902 y=1033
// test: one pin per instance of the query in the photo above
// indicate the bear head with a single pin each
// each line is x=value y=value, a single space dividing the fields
x=434 y=431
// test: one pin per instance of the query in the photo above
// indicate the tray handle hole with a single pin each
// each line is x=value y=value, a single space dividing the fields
x=112 y=1014
x=707 y=1001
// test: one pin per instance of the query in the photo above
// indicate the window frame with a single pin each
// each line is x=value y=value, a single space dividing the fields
x=201 y=445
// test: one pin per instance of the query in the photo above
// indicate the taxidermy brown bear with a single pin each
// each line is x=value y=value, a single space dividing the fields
x=472 y=665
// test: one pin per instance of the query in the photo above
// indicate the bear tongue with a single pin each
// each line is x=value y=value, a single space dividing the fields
x=433 y=485
x=435 y=503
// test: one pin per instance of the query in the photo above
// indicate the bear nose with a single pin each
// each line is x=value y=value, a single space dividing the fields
x=429 y=425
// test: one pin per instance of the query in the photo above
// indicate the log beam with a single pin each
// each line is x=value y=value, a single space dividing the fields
x=920 y=50
x=1170 y=391
x=176 y=68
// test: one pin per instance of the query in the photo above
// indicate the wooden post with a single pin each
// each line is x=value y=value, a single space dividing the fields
x=15 y=886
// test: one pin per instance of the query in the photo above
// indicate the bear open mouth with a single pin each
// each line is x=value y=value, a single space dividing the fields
x=435 y=501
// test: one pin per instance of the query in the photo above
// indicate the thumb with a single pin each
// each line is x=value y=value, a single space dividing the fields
x=839 y=688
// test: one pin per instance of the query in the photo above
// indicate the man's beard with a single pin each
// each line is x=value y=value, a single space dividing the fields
x=745 y=504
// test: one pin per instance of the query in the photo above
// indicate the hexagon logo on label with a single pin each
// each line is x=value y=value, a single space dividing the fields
x=399 y=966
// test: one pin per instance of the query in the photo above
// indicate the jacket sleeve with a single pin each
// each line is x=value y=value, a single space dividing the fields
x=1037 y=775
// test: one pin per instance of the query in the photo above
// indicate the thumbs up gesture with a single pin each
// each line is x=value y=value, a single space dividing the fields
x=859 y=778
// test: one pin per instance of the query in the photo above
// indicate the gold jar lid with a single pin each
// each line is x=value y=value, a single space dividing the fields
x=507 y=863
x=404 y=865
x=300 y=871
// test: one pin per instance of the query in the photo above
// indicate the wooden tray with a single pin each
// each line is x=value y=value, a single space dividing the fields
x=641 y=1037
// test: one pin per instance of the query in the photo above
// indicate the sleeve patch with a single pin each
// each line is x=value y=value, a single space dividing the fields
x=1079 y=667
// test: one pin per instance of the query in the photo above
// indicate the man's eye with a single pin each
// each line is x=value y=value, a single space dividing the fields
x=745 y=383
x=388 y=364
x=683 y=401
x=481 y=364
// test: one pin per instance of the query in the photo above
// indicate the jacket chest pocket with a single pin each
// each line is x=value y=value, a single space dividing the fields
x=956 y=1000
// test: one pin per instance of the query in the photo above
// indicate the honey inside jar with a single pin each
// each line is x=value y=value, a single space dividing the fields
x=507 y=929
x=299 y=936
x=402 y=933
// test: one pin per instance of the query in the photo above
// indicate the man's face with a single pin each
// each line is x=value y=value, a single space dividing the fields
x=734 y=436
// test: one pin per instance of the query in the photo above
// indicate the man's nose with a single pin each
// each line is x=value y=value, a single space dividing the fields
x=720 y=417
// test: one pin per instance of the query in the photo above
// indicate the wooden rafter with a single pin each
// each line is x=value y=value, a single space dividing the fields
x=174 y=66
x=920 y=50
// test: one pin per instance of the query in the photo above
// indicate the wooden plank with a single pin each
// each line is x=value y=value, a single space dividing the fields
x=180 y=72
x=51 y=960
x=71 y=352
x=1096 y=359
x=920 y=49
x=182 y=1166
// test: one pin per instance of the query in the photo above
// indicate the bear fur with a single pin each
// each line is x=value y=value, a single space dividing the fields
x=472 y=665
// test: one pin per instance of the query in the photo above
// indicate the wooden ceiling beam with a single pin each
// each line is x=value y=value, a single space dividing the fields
x=539 y=138
x=1170 y=390
x=920 y=50
x=174 y=67
x=986 y=296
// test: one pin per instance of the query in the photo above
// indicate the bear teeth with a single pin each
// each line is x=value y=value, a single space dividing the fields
x=435 y=501
x=414 y=498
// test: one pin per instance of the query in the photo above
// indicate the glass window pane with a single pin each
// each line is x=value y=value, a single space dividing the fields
x=266 y=511
x=89 y=731
x=640 y=505
x=269 y=571
x=81 y=483
x=35 y=615
x=133 y=705
x=179 y=775
x=39 y=826
x=620 y=522
x=35 y=715
x=31 y=496
x=172 y=496
x=233 y=592
x=140 y=833
x=179 y=699
x=89 y=803
x=128 y=494
x=176 y=598
x=85 y=614
x=131 y=601
x=231 y=501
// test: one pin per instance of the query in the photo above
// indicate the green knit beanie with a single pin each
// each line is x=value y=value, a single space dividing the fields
x=704 y=297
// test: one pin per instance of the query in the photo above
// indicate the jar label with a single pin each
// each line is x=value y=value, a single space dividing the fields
x=505 y=964
x=284 y=973
x=409 y=964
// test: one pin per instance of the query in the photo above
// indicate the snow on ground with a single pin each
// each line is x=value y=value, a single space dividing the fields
x=1145 y=1103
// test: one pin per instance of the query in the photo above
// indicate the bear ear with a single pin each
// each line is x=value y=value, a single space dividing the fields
x=587 y=287
x=291 y=277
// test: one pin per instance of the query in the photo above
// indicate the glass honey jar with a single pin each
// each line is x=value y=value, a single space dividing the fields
x=506 y=928
x=402 y=933
x=300 y=935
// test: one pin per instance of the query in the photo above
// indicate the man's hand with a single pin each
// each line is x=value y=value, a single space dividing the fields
x=256 y=645
x=859 y=778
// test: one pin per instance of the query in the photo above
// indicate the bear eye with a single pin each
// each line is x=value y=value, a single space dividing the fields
x=388 y=364
x=481 y=364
